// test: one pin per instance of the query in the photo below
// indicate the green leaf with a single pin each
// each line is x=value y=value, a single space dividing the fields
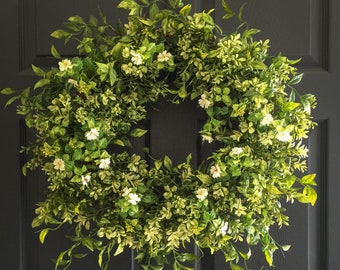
x=290 y=180
x=118 y=142
x=42 y=235
x=182 y=93
x=296 y=79
x=175 y=3
x=24 y=96
x=145 y=21
x=88 y=242
x=91 y=146
x=112 y=75
x=38 y=71
x=167 y=163
x=100 y=257
x=273 y=190
x=235 y=267
x=269 y=257
x=240 y=13
x=76 y=19
x=309 y=180
x=24 y=169
x=7 y=91
x=227 y=9
x=102 y=143
x=308 y=195
x=69 y=165
x=130 y=5
x=205 y=178
x=289 y=106
x=41 y=83
x=119 y=250
x=150 y=198
x=158 y=164
x=36 y=222
x=55 y=53
x=154 y=10
x=250 y=32
x=258 y=65
x=79 y=171
x=244 y=255
x=285 y=248
x=60 y=258
x=185 y=10
x=137 y=132
x=11 y=100
x=186 y=257
x=77 y=154
x=60 y=34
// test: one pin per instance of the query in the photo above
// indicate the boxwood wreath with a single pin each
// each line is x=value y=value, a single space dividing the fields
x=116 y=200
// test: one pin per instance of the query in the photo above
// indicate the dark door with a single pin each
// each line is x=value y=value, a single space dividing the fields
x=304 y=28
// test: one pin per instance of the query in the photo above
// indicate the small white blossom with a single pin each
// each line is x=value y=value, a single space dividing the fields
x=85 y=179
x=65 y=65
x=207 y=138
x=224 y=228
x=204 y=102
x=93 y=134
x=104 y=163
x=201 y=193
x=133 y=198
x=59 y=164
x=136 y=58
x=284 y=136
x=267 y=119
x=236 y=151
x=163 y=56
x=215 y=171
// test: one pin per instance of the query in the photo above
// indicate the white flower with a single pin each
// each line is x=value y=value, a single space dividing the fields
x=204 y=102
x=126 y=191
x=65 y=65
x=207 y=138
x=236 y=151
x=104 y=163
x=163 y=56
x=215 y=171
x=284 y=136
x=73 y=82
x=224 y=228
x=136 y=58
x=85 y=179
x=201 y=193
x=59 y=164
x=267 y=119
x=133 y=198
x=93 y=134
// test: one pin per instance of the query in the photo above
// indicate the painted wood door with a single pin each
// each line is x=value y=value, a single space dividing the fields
x=304 y=29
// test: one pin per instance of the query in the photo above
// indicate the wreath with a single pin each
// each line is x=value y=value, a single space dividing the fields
x=116 y=199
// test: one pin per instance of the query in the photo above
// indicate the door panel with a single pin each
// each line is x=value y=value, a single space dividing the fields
x=299 y=29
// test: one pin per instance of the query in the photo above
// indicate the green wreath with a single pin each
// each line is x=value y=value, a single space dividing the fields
x=116 y=200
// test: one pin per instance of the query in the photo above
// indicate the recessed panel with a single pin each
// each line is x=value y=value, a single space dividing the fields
x=298 y=29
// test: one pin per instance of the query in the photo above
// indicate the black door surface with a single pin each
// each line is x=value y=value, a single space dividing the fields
x=306 y=29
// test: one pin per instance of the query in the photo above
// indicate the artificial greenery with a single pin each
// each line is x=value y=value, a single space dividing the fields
x=115 y=199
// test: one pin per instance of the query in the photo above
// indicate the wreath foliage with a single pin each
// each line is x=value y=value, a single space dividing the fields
x=116 y=200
